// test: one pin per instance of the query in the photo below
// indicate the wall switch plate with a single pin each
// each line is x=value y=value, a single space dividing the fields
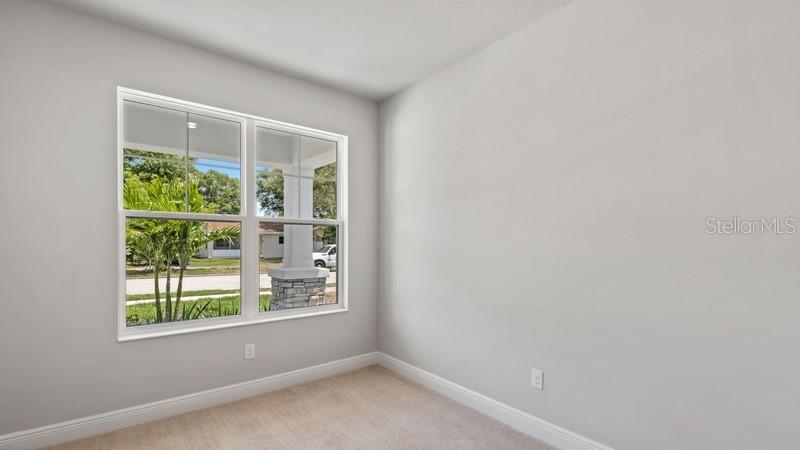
x=537 y=379
x=249 y=351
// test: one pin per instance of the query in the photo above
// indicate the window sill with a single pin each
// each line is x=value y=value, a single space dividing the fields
x=147 y=332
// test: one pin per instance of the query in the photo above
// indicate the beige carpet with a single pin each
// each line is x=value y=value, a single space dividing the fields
x=371 y=408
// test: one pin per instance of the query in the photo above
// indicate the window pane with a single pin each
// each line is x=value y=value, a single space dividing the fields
x=154 y=158
x=195 y=279
x=298 y=266
x=318 y=178
x=215 y=157
x=224 y=244
x=277 y=166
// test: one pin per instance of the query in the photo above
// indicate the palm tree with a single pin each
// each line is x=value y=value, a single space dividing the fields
x=189 y=238
x=146 y=239
x=163 y=243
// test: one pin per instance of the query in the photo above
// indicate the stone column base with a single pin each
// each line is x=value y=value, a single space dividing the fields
x=297 y=293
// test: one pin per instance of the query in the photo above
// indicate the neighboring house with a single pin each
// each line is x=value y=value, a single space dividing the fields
x=222 y=248
x=270 y=234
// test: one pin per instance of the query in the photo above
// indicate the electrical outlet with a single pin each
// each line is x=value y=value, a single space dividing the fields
x=537 y=379
x=249 y=351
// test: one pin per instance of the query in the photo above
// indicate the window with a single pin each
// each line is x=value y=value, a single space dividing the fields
x=225 y=244
x=221 y=215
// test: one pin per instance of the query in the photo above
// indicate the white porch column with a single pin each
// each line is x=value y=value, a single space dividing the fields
x=297 y=283
x=298 y=240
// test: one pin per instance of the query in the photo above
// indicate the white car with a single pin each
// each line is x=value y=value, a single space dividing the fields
x=325 y=257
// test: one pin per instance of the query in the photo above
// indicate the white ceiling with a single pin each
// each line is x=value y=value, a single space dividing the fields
x=373 y=48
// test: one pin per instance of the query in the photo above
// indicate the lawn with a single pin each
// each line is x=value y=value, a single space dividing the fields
x=203 y=266
x=203 y=308
x=184 y=294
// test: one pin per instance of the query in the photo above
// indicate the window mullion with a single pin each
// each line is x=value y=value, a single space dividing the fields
x=250 y=251
x=299 y=221
x=182 y=216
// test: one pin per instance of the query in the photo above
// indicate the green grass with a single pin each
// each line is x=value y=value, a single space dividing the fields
x=184 y=294
x=145 y=313
x=214 y=262
x=203 y=266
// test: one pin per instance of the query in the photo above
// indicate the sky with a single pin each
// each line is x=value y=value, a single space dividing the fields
x=228 y=168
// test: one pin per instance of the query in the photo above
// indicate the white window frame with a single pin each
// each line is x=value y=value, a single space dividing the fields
x=249 y=253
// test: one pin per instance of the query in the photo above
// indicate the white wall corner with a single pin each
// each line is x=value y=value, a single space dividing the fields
x=519 y=420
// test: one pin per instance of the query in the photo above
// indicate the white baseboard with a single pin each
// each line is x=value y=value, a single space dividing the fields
x=519 y=420
x=122 y=418
x=135 y=415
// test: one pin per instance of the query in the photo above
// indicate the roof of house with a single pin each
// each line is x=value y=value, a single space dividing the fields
x=263 y=227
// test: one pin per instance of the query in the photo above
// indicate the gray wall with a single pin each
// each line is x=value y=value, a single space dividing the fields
x=59 y=358
x=543 y=204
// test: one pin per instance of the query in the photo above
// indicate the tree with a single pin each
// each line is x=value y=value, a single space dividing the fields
x=325 y=192
x=148 y=166
x=269 y=192
x=220 y=191
x=163 y=243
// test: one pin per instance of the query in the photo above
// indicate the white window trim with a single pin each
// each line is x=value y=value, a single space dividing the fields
x=249 y=314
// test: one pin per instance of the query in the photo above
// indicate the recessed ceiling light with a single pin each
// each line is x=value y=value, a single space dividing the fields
x=191 y=125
